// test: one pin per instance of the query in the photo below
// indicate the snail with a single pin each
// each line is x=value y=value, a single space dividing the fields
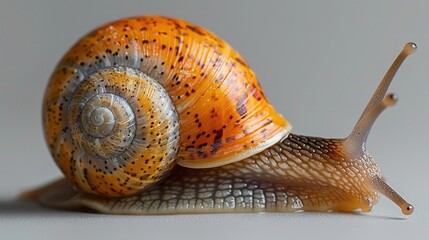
x=155 y=115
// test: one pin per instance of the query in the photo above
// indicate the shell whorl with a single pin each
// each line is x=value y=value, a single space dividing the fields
x=103 y=125
x=115 y=123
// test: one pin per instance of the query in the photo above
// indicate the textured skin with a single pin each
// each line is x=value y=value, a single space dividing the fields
x=298 y=173
x=223 y=113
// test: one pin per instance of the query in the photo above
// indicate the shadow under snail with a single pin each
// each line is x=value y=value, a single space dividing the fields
x=154 y=115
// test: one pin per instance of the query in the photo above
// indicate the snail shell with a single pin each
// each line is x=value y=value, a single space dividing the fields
x=139 y=96
x=136 y=96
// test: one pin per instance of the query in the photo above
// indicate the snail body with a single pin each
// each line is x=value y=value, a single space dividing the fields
x=157 y=115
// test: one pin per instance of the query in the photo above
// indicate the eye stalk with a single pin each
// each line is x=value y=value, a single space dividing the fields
x=356 y=141
x=361 y=131
x=379 y=101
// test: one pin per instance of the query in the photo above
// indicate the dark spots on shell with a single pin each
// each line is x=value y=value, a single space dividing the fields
x=219 y=78
x=196 y=30
x=268 y=121
x=180 y=59
x=202 y=145
x=176 y=24
x=255 y=91
x=85 y=175
x=217 y=141
x=202 y=154
x=179 y=39
x=163 y=47
x=241 y=61
x=229 y=139
x=213 y=113
x=175 y=77
x=241 y=105
x=145 y=41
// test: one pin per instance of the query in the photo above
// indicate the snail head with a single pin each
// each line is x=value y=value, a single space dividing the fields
x=355 y=144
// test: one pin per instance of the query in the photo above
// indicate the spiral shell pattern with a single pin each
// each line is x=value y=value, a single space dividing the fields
x=124 y=133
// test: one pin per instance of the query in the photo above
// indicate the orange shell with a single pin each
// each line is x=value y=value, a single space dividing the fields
x=224 y=115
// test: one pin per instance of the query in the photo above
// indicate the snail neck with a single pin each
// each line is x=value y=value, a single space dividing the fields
x=327 y=169
x=318 y=168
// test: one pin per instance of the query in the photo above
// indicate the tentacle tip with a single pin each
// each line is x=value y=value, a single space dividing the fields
x=410 y=48
x=390 y=99
x=407 y=209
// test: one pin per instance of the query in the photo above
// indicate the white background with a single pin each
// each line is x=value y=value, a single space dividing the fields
x=318 y=62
